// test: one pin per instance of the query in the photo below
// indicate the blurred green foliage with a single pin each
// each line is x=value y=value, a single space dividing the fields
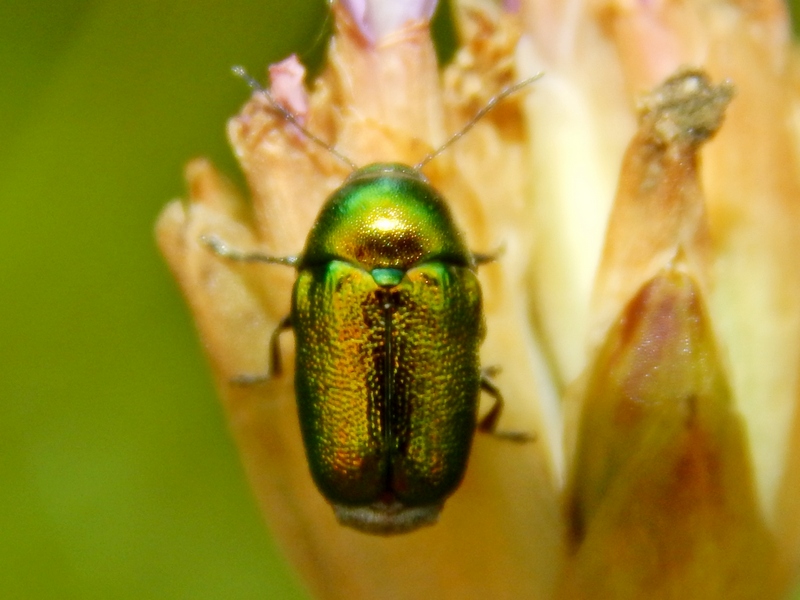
x=119 y=479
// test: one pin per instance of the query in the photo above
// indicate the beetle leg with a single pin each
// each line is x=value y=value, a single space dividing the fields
x=275 y=363
x=481 y=258
x=488 y=424
x=222 y=249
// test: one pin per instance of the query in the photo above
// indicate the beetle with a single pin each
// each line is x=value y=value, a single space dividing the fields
x=388 y=322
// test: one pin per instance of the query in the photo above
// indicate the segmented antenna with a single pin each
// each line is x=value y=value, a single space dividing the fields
x=291 y=117
x=220 y=248
x=502 y=95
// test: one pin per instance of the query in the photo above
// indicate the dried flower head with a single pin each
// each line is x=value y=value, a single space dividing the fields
x=645 y=313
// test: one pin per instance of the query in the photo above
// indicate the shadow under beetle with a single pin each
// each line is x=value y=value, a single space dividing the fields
x=388 y=323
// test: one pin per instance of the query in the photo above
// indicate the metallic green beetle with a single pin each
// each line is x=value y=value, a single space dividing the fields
x=388 y=323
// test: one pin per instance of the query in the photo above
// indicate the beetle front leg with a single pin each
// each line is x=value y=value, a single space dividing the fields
x=488 y=424
x=221 y=248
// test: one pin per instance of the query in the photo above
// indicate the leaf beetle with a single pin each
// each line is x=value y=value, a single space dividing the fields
x=388 y=322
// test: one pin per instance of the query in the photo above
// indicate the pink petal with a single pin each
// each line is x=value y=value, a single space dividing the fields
x=378 y=18
x=287 y=86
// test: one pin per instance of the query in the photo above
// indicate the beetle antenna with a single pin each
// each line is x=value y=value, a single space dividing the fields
x=487 y=108
x=291 y=117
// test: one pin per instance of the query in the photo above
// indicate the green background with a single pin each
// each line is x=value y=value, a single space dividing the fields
x=117 y=476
